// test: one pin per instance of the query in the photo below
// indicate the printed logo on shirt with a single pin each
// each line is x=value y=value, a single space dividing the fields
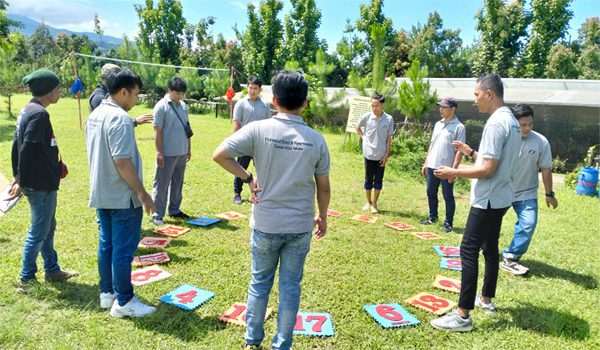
x=288 y=145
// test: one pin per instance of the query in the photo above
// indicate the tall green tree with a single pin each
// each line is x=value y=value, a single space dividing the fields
x=437 y=48
x=261 y=42
x=550 y=21
x=161 y=30
x=589 y=63
x=41 y=43
x=562 y=63
x=301 y=39
x=502 y=26
x=589 y=33
x=415 y=95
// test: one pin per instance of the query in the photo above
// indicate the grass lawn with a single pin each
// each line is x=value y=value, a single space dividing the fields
x=555 y=307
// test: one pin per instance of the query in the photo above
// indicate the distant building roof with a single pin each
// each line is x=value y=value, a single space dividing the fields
x=552 y=92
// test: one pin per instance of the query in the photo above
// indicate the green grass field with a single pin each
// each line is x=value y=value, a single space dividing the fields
x=555 y=307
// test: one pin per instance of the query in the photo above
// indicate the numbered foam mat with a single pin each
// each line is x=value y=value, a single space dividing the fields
x=314 y=324
x=447 y=251
x=187 y=297
x=453 y=264
x=203 y=221
x=391 y=315
x=148 y=275
x=236 y=314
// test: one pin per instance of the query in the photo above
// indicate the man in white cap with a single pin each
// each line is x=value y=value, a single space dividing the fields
x=101 y=92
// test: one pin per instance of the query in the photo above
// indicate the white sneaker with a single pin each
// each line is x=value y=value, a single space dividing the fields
x=374 y=210
x=134 y=308
x=487 y=307
x=157 y=222
x=366 y=207
x=106 y=300
x=452 y=322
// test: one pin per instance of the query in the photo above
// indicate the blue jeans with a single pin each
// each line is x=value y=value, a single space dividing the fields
x=289 y=250
x=433 y=183
x=40 y=237
x=118 y=240
x=527 y=212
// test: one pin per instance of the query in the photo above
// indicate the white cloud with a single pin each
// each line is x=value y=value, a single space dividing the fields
x=71 y=15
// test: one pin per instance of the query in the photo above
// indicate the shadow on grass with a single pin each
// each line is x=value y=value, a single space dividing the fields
x=185 y=325
x=540 y=269
x=7 y=132
x=546 y=321
x=412 y=214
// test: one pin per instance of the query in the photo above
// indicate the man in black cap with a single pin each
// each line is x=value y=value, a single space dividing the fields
x=442 y=153
x=37 y=169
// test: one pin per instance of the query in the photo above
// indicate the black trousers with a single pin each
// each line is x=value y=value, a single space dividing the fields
x=237 y=182
x=482 y=233
x=373 y=175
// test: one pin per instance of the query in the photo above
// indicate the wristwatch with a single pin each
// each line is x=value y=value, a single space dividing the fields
x=551 y=194
x=248 y=179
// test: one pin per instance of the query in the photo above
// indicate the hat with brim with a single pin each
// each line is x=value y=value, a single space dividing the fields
x=41 y=82
x=447 y=102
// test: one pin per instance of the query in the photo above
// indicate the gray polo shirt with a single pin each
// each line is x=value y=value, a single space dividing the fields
x=376 y=132
x=175 y=140
x=535 y=154
x=288 y=155
x=441 y=151
x=110 y=136
x=247 y=111
x=501 y=140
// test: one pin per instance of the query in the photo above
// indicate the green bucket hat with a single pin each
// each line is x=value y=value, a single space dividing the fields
x=41 y=82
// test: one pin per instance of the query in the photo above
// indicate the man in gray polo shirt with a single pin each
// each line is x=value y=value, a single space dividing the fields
x=443 y=153
x=491 y=195
x=246 y=111
x=291 y=159
x=173 y=151
x=117 y=192
x=375 y=129
x=535 y=155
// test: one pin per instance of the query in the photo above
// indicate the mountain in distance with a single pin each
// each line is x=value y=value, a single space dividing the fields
x=28 y=27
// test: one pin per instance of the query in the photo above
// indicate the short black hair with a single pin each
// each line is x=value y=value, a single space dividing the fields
x=123 y=79
x=379 y=97
x=177 y=84
x=290 y=89
x=522 y=111
x=492 y=82
x=254 y=81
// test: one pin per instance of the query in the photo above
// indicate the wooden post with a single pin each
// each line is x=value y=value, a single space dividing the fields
x=78 y=93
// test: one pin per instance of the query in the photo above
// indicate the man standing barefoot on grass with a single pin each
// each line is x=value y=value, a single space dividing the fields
x=491 y=195
x=375 y=129
x=117 y=192
x=37 y=166
x=290 y=158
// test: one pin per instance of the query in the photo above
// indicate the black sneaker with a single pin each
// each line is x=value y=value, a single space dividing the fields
x=180 y=215
x=448 y=228
x=428 y=221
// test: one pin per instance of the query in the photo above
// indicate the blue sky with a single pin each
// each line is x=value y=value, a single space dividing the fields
x=119 y=17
